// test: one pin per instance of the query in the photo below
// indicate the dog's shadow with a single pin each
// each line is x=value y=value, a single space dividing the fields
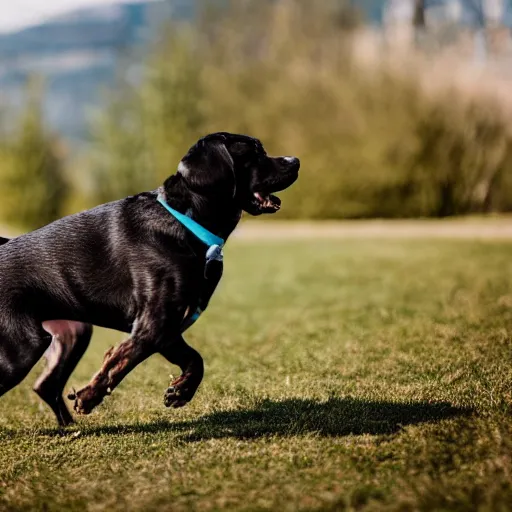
x=296 y=416
x=291 y=417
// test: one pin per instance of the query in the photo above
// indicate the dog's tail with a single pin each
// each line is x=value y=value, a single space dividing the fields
x=3 y=240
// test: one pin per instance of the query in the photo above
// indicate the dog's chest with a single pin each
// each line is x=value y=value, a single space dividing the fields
x=212 y=275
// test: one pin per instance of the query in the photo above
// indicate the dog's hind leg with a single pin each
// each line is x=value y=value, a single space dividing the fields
x=20 y=349
x=69 y=342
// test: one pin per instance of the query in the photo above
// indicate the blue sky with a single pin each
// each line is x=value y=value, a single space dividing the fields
x=20 y=13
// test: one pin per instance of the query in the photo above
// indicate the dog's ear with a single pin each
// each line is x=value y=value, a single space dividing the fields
x=208 y=168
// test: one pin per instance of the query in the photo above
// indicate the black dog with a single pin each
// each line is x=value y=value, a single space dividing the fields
x=129 y=265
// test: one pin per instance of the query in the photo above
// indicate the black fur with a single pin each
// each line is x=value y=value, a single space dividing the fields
x=128 y=265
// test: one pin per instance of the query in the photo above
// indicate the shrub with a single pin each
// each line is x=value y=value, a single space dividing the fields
x=371 y=141
x=31 y=172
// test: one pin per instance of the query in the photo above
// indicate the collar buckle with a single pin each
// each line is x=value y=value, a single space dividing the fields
x=214 y=252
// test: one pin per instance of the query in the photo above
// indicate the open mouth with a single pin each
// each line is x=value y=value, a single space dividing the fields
x=262 y=201
x=267 y=202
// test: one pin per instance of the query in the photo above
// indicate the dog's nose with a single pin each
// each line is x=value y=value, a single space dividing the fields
x=293 y=161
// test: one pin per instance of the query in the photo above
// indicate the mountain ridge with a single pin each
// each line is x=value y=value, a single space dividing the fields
x=77 y=53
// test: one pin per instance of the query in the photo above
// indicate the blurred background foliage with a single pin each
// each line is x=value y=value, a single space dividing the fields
x=32 y=176
x=373 y=140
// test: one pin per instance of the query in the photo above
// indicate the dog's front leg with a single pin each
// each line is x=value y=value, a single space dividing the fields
x=181 y=390
x=117 y=364
x=148 y=331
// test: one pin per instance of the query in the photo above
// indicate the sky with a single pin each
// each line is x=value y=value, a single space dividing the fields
x=21 y=13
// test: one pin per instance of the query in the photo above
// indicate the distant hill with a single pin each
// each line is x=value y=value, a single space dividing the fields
x=77 y=54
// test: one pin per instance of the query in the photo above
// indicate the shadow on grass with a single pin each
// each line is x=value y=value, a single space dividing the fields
x=295 y=416
x=334 y=417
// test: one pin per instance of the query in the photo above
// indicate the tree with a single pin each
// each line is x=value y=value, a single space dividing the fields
x=147 y=127
x=31 y=171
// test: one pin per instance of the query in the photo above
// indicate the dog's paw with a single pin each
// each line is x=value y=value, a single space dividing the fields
x=173 y=397
x=180 y=392
x=80 y=407
x=85 y=400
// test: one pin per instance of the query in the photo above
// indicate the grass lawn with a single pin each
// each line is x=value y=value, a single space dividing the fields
x=356 y=374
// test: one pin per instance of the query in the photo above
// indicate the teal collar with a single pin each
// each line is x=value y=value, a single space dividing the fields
x=213 y=254
x=199 y=231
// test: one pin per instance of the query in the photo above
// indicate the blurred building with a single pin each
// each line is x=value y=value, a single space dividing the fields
x=480 y=30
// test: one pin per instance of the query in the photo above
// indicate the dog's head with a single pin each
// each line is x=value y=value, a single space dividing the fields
x=236 y=168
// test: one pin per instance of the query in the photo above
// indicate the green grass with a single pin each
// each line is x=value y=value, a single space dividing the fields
x=357 y=375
